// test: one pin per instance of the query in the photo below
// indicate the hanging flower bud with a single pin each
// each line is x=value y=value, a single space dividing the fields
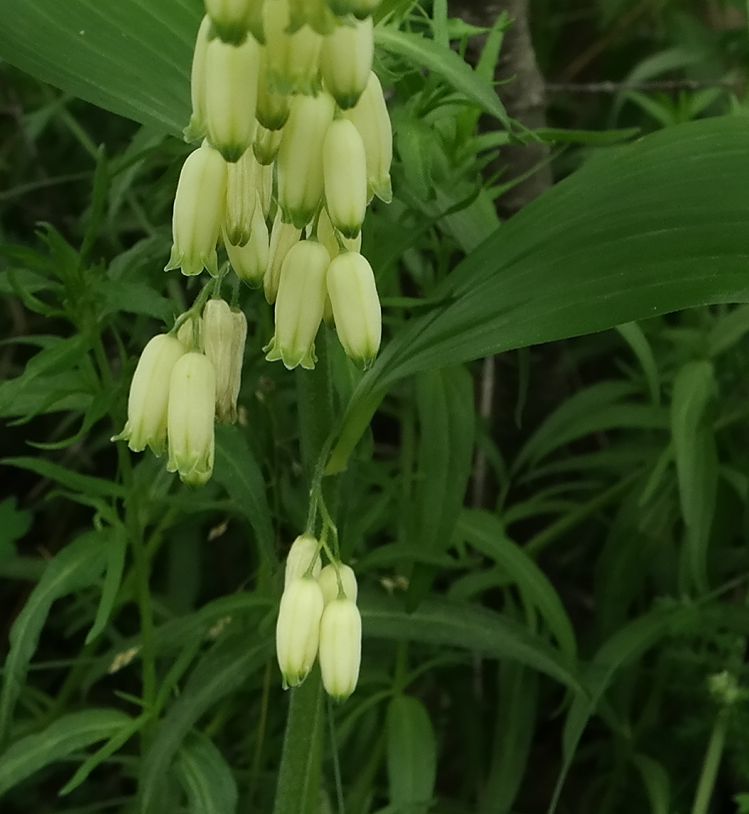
x=333 y=240
x=231 y=95
x=300 y=173
x=251 y=260
x=232 y=19
x=373 y=123
x=356 y=306
x=299 y=305
x=314 y=13
x=188 y=333
x=346 y=61
x=293 y=59
x=149 y=395
x=345 y=175
x=224 y=335
x=198 y=211
x=359 y=8
x=241 y=197
x=282 y=238
x=304 y=552
x=298 y=629
x=265 y=187
x=329 y=586
x=192 y=403
x=266 y=145
x=340 y=648
x=272 y=107
x=197 y=128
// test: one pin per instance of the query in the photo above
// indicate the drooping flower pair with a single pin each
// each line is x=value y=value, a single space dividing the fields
x=318 y=618
x=184 y=380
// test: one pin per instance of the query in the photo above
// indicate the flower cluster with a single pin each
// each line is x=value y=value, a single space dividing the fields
x=185 y=380
x=296 y=143
x=318 y=616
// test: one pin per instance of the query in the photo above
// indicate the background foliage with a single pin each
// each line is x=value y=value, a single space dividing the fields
x=577 y=638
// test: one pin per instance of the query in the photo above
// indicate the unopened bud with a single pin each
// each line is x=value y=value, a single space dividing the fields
x=224 y=335
x=345 y=173
x=251 y=260
x=298 y=629
x=330 y=587
x=198 y=212
x=340 y=648
x=231 y=95
x=197 y=128
x=372 y=120
x=346 y=61
x=232 y=19
x=265 y=187
x=149 y=395
x=272 y=107
x=241 y=198
x=333 y=240
x=300 y=170
x=314 y=13
x=293 y=59
x=304 y=552
x=192 y=404
x=266 y=145
x=282 y=237
x=299 y=305
x=356 y=306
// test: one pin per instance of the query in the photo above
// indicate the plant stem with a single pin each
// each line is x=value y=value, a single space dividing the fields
x=711 y=764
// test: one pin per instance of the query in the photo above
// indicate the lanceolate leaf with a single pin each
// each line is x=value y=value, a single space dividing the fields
x=69 y=734
x=77 y=566
x=206 y=777
x=641 y=230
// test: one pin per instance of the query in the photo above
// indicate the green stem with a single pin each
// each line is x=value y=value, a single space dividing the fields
x=711 y=764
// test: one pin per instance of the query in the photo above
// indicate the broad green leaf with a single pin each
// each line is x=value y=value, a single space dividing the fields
x=116 y=547
x=728 y=331
x=206 y=777
x=221 y=671
x=446 y=437
x=656 y=782
x=131 y=57
x=466 y=627
x=238 y=471
x=77 y=566
x=59 y=740
x=411 y=756
x=298 y=788
x=485 y=533
x=641 y=230
x=696 y=461
x=88 y=485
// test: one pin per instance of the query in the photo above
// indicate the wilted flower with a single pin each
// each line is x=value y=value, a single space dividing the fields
x=345 y=175
x=340 y=648
x=198 y=211
x=356 y=306
x=298 y=629
x=224 y=335
x=192 y=404
x=299 y=305
x=149 y=395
